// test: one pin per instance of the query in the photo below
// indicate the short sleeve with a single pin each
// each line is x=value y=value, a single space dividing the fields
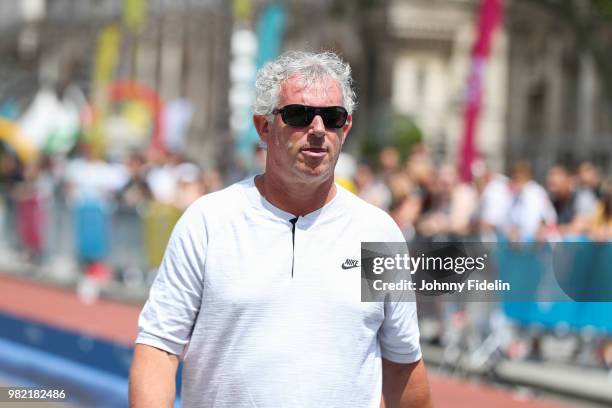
x=399 y=332
x=168 y=316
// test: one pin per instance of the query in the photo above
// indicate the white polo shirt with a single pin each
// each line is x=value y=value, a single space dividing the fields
x=273 y=318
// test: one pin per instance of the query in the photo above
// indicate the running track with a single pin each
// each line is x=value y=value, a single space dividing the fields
x=116 y=322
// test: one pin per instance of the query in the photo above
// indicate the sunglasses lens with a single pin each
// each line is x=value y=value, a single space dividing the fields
x=295 y=115
x=334 y=117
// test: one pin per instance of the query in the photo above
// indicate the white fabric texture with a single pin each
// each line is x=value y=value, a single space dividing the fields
x=260 y=337
x=530 y=210
x=496 y=202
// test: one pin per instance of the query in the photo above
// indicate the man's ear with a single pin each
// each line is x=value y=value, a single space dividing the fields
x=262 y=126
x=347 y=127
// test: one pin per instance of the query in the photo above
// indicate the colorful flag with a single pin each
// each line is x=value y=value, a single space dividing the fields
x=134 y=13
x=490 y=14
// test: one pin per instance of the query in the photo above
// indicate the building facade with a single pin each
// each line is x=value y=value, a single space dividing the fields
x=557 y=107
x=432 y=43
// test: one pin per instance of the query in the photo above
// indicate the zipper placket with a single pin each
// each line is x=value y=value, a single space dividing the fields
x=293 y=221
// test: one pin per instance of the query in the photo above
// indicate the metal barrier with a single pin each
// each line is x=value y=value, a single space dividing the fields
x=130 y=241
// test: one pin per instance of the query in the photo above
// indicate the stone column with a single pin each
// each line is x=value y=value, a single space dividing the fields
x=553 y=109
x=585 y=106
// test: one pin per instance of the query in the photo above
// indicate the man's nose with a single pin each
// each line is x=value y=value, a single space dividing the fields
x=317 y=125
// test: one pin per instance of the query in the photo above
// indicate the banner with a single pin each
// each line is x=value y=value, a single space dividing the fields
x=106 y=59
x=271 y=27
x=11 y=134
x=134 y=13
x=490 y=14
x=128 y=90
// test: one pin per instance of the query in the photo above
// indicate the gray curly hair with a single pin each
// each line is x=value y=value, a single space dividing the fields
x=310 y=68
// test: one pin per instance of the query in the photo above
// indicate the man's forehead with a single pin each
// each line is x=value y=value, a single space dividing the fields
x=324 y=87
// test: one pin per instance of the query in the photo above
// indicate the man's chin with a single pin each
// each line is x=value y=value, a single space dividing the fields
x=319 y=171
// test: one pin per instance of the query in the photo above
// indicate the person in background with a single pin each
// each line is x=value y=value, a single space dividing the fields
x=33 y=197
x=136 y=191
x=11 y=175
x=463 y=203
x=588 y=185
x=421 y=171
x=161 y=176
x=370 y=188
x=574 y=209
x=532 y=215
x=494 y=202
x=406 y=203
x=389 y=161
x=600 y=228
x=453 y=204
x=92 y=177
x=212 y=181
x=189 y=185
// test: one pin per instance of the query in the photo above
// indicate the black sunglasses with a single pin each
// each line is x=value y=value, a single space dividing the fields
x=334 y=117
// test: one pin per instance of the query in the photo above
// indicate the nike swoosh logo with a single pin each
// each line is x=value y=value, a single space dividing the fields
x=350 y=265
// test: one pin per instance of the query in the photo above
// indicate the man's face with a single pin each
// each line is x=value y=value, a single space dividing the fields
x=558 y=182
x=309 y=153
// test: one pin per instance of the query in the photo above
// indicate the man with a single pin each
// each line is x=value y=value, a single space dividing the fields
x=495 y=200
x=531 y=214
x=258 y=277
x=574 y=207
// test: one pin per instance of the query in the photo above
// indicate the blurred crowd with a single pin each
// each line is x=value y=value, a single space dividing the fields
x=428 y=202
x=48 y=210
x=34 y=197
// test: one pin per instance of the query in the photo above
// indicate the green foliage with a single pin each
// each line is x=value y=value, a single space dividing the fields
x=370 y=148
x=401 y=133
x=404 y=134
x=343 y=8
x=604 y=8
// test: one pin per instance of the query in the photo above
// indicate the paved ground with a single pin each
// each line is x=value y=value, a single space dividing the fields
x=62 y=308
x=116 y=322
x=454 y=393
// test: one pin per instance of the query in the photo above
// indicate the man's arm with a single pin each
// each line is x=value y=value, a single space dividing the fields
x=152 y=377
x=405 y=385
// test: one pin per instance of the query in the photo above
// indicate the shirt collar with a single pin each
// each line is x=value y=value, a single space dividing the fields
x=261 y=203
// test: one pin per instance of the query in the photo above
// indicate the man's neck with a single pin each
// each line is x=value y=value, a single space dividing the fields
x=295 y=198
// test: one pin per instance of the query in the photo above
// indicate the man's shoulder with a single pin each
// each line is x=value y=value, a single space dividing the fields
x=224 y=200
